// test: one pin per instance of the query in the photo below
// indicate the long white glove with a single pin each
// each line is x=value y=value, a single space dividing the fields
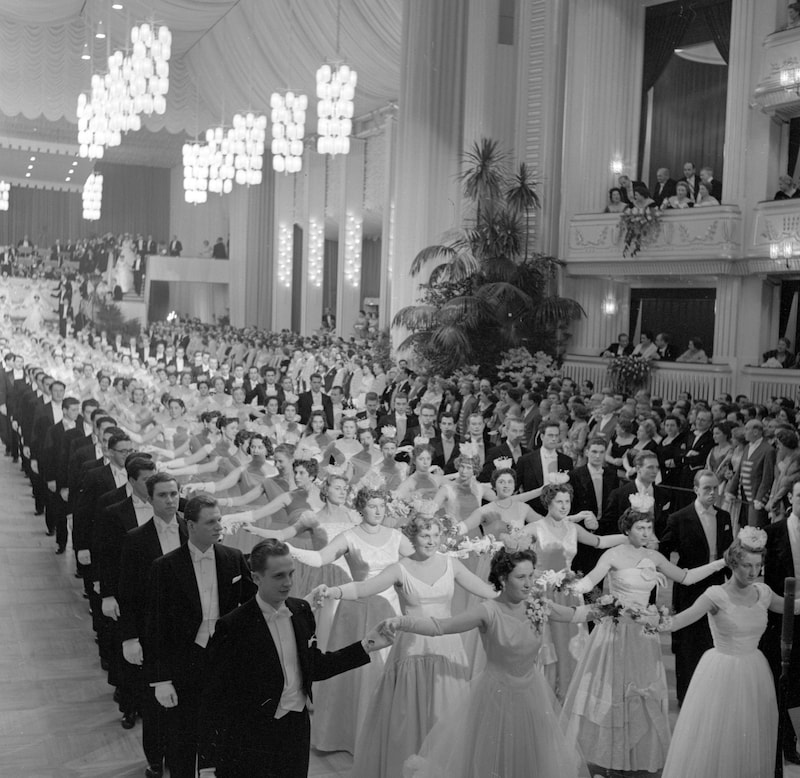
x=306 y=556
x=699 y=573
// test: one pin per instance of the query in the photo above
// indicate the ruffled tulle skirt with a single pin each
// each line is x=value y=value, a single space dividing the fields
x=415 y=692
x=509 y=728
x=728 y=725
x=340 y=703
x=616 y=705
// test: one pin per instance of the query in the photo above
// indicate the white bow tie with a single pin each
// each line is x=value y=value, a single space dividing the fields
x=282 y=613
x=208 y=554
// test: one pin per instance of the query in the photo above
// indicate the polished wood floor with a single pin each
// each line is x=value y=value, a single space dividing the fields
x=57 y=718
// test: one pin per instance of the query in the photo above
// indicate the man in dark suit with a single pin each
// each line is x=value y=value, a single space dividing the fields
x=646 y=463
x=219 y=250
x=592 y=485
x=664 y=188
x=623 y=347
x=700 y=533
x=446 y=446
x=782 y=561
x=189 y=589
x=626 y=187
x=175 y=247
x=665 y=350
x=752 y=480
x=404 y=422
x=254 y=718
x=141 y=546
x=534 y=468
x=690 y=178
x=714 y=185
x=315 y=399
x=371 y=410
x=45 y=417
x=511 y=448
x=699 y=443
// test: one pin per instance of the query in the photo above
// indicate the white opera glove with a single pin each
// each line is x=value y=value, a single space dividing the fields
x=423 y=626
x=703 y=571
x=583 y=586
x=208 y=772
x=110 y=608
x=132 y=651
x=461 y=528
x=4 y=409
x=65 y=495
x=34 y=465
x=306 y=556
x=582 y=613
x=51 y=485
x=166 y=694
x=85 y=556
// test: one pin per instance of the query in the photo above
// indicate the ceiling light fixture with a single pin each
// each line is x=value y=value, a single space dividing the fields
x=288 y=129
x=92 y=197
x=5 y=190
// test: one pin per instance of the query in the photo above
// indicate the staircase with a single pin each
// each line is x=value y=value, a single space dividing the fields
x=132 y=307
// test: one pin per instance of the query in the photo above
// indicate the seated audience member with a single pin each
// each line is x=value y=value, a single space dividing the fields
x=780 y=356
x=713 y=185
x=704 y=196
x=615 y=202
x=665 y=352
x=665 y=188
x=787 y=189
x=622 y=347
x=626 y=187
x=646 y=349
x=681 y=198
x=793 y=18
x=691 y=178
x=641 y=199
x=205 y=251
x=694 y=352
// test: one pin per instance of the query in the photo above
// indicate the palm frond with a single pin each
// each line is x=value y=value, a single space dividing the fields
x=521 y=195
x=462 y=266
x=553 y=311
x=416 y=317
x=467 y=310
x=452 y=341
x=414 y=341
x=504 y=294
x=429 y=253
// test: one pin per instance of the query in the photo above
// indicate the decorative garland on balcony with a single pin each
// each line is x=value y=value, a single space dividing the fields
x=639 y=228
x=628 y=373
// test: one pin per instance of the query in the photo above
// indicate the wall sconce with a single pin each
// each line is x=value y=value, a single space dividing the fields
x=609 y=306
x=617 y=166
x=790 y=79
x=781 y=250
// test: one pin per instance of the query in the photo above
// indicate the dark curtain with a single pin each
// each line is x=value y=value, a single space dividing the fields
x=135 y=199
x=718 y=21
x=297 y=277
x=330 y=266
x=688 y=122
x=370 y=269
x=680 y=316
x=663 y=33
x=794 y=147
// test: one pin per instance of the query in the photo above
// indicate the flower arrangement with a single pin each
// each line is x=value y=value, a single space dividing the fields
x=537 y=609
x=485 y=545
x=628 y=373
x=639 y=228
x=519 y=364
x=558 y=580
x=752 y=538
x=652 y=619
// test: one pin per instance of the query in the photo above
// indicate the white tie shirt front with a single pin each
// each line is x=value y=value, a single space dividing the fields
x=205 y=573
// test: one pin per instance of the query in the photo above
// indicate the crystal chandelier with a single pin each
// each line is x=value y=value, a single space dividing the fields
x=149 y=67
x=221 y=161
x=288 y=130
x=247 y=136
x=92 y=197
x=196 y=161
x=5 y=189
x=335 y=91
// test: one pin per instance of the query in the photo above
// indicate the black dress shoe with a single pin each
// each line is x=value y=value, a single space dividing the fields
x=117 y=697
x=60 y=549
x=153 y=771
x=791 y=756
x=50 y=533
x=128 y=721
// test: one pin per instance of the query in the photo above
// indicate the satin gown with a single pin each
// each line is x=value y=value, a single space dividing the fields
x=728 y=725
x=340 y=703
x=424 y=680
x=509 y=725
x=616 y=704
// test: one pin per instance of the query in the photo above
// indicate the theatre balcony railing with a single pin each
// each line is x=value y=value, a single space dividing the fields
x=774 y=222
x=697 y=241
x=761 y=384
x=778 y=90
x=667 y=379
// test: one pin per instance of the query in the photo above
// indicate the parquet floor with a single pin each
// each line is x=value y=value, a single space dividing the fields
x=57 y=718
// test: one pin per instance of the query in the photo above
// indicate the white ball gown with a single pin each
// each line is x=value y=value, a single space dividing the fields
x=728 y=724
x=509 y=726
x=425 y=678
x=123 y=270
x=617 y=704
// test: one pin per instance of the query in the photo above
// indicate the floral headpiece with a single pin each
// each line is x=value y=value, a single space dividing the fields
x=503 y=463
x=388 y=431
x=424 y=508
x=363 y=424
x=349 y=413
x=642 y=503
x=420 y=440
x=336 y=469
x=753 y=538
x=556 y=478
x=371 y=480
x=468 y=450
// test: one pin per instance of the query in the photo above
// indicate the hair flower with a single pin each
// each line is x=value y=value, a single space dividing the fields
x=642 y=503
x=753 y=538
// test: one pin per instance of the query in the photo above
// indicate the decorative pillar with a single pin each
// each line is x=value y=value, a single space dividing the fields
x=313 y=245
x=283 y=251
x=388 y=225
x=605 y=42
x=727 y=309
x=429 y=136
x=592 y=334
x=351 y=218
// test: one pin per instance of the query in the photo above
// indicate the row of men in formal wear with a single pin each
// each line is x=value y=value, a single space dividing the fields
x=665 y=186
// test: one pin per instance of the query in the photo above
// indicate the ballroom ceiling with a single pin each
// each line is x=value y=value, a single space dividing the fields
x=227 y=56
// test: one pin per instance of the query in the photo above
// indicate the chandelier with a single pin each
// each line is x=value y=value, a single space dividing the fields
x=247 y=138
x=288 y=130
x=5 y=189
x=335 y=92
x=149 y=68
x=221 y=161
x=92 y=197
x=196 y=161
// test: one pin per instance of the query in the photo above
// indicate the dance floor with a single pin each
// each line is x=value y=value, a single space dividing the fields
x=57 y=718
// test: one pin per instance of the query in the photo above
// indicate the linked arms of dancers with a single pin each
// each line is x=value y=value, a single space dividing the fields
x=336 y=548
x=473 y=521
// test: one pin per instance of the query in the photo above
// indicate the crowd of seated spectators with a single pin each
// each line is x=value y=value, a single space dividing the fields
x=658 y=348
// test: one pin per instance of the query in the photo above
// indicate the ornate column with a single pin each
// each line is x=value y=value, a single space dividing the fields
x=283 y=251
x=313 y=244
x=605 y=41
x=351 y=218
x=388 y=225
x=429 y=136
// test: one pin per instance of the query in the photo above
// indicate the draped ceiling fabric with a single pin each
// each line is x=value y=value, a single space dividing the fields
x=227 y=55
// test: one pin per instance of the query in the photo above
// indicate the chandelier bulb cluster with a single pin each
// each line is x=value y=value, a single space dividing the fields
x=5 y=190
x=288 y=130
x=92 y=197
x=196 y=161
x=335 y=92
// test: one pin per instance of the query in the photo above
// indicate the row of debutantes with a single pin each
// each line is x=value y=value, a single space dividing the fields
x=166 y=594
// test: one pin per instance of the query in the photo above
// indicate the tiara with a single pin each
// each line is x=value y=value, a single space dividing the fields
x=425 y=507
x=642 y=503
x=336 y=469
x=389 y=431
x=503 y=463
x=349 y=413
x=752 y=538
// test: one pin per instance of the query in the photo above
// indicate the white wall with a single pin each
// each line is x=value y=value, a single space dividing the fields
x=195 y=223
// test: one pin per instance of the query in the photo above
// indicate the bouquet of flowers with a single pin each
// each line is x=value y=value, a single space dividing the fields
x=558 y=580
x=651 y=618
x=451 y=539
x=519 y=364
x=628 y=373
x=485 y=545
x=639 y=228
x=537 y=609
